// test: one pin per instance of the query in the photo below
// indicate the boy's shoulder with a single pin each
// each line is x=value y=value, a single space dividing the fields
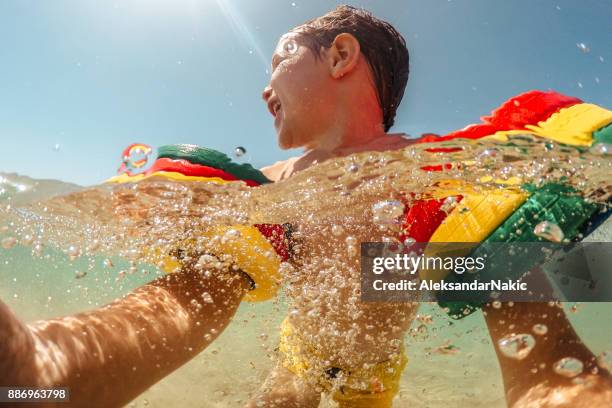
x=280 y=170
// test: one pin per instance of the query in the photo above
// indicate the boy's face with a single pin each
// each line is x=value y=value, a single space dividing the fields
x=299 y=93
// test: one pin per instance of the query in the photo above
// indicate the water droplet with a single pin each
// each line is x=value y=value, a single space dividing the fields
x=57 y=147
x=568 y=367
x=9 y=242
x=230 y=235
x=496 y=304
x=239 y=151
x=449 y=204
x=79 y=274
x=38 y=250
x=207 y=298
x=337 y=230
x=387 y=211
x=517 y=346
x=27 y=239
x=352 y=168
x=549 y=231
x=583 y=47
x=409 y=241
x=73 y=252
x=135 y=157
x=207 y=261
x=94 y=246
x=604 y=360
x=540 y=329
x=602 y=149
x=108 y=263
x=488 y=154
x=579 y=84
x=293 y=4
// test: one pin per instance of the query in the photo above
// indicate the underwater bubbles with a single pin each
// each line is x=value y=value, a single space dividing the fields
x=352 y=168
x=337 y=230
x=568 y=367
x=540 y=329
x=387 y=211
x=549 y=231
x=601 y=149
x=517 y=346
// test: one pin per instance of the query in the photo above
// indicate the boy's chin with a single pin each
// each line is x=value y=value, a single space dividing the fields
x=285 y=141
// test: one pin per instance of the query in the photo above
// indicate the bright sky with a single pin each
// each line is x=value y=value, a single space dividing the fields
x=82 y=79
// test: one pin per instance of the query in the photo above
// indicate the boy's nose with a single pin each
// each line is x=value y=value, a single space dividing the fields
x=267 y=92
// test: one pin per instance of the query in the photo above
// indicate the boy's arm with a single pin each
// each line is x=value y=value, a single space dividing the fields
x=110 y=355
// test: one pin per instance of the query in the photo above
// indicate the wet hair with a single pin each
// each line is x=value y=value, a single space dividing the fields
x=381 y=45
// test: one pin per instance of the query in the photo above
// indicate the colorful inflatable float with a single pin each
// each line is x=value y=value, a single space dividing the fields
x=506 y=212
x=512 y=212
x=257 y=250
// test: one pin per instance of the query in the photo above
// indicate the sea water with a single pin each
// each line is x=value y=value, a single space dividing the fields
x=85 y=247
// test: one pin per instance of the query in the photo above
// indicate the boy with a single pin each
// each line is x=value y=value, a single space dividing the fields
x=336 y=83
x=334 y=91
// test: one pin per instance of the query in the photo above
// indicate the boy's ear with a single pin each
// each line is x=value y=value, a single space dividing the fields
x=343 y=55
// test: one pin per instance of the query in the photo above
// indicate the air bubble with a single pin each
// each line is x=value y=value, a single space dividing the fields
x=387 y=211
x=230 y=235
x=352 y=168
x=568 y=367
x=540 y=329
x=517 y=346
x=73 y=252
x=549 y=231
x=337 y=230
x=601 y=149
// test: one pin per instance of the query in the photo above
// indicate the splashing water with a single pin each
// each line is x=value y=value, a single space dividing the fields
x=333 y=207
